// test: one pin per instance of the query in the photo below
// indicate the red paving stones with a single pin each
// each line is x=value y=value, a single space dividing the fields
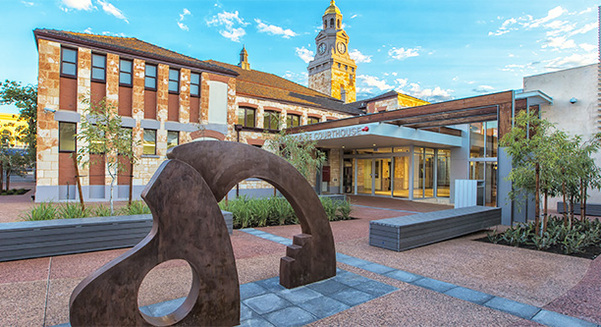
x=559 y=282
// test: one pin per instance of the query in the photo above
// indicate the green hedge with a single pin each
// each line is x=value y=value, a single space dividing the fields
x=274 y=211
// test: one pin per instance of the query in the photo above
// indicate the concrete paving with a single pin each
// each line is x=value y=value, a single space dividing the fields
x=458 y=277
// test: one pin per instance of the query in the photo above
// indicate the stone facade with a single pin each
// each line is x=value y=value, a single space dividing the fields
x=51 y=94
x=332 y=71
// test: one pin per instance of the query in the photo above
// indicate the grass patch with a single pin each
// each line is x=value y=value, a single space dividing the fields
x=275 y=211
x=580 y=238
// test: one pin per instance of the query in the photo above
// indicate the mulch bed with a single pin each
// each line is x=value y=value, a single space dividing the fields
x=590 y=252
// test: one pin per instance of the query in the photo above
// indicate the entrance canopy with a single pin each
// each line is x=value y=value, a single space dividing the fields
x=425 y=123
x=383 y=135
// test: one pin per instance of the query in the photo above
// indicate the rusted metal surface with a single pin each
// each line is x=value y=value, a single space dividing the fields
x=224 y=164
x=188 y=224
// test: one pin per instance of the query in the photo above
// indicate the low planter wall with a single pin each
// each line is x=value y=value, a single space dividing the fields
x=592 y=209
x=34 y=239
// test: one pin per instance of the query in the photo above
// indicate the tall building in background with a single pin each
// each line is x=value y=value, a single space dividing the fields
x=332 y=71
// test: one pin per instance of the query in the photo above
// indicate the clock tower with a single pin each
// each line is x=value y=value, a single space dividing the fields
x=332 y=70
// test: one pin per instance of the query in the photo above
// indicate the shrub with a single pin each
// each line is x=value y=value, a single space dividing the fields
x=101 y=211
x=71 y=210
x=135 y=208
x=566 y=238
x=274 y=211
x=43 y=211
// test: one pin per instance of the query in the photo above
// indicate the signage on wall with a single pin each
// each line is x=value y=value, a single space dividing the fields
x=337 y=133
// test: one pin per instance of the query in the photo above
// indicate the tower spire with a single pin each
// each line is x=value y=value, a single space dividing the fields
x=244 y=64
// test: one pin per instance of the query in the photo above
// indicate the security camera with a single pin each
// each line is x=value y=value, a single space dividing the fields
x=49 y=110
x=573 y=100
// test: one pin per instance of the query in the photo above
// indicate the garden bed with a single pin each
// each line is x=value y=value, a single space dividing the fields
x=579 y=238
x=15 y=191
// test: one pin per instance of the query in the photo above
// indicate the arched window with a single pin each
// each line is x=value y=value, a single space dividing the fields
x=331 y=22
x=342 y=93
x=325 y=24
x=338 y=23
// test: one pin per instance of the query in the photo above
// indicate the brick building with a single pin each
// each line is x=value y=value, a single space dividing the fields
x=167 y=98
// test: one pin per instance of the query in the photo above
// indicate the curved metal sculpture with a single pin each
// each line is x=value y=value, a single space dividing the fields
x=187 y=224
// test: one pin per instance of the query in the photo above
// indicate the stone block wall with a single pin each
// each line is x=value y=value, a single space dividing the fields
x=49 y=97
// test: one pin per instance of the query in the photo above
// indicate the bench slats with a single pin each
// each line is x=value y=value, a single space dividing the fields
x=407 y=232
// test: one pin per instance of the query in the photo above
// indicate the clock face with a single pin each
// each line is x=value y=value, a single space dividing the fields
x=341 y=47
x=322 y=48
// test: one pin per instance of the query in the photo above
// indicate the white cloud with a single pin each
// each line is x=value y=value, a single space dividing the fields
x=305 y=54
x=88 y=30
x=229 y=21
x=183 y=15
x=403 y=53
x=433 y=95
x=78 y=4
x=358 y=57
x=483 y=89
x=354 y=16
x=401 y=82
x=301 y=78
x=585 y=29
x=27 y=3
x=372 y=81
x=588 y=47
x=112 y=10
x=506 y=27
x=274 y=30
x=551 y=14
x=573 y=60
x=560 y=42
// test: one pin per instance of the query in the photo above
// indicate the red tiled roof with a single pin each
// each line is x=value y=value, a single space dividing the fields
x=256 y=83
x=130 y=45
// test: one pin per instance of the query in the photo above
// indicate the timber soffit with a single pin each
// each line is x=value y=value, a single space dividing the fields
x=129 y=46
x=453 y=107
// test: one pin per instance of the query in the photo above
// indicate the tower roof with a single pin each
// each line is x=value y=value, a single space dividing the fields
x=332 y=9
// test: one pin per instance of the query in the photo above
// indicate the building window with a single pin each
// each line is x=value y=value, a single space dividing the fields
x=271 y=119
x=125 y=72
x=312 y=120
x=172 y=139
x=195 y=85
x=98 y=68
x=331 y=22
x=292 y=120
x=173 y=81
x=68 y=62
x=66 y=137
x=150 y=142
x=150 y=81
x=246 y=117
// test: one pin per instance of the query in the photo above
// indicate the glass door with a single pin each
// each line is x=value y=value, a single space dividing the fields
x=383 y=170
x=402 y=169
x=364 y=176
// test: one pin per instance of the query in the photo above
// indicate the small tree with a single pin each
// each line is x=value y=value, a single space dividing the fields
x=298 y=150
x=26 y=99
x=12 y=160
x=101 y=133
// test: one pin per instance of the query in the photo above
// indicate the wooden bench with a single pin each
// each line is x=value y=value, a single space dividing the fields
x=407 y=232
x=35 y=239
x=592 y=209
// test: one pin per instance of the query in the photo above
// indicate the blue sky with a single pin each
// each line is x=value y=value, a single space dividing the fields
x=432 y=49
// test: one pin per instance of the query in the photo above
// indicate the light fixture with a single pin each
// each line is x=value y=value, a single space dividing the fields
x=343 y=146
x=374 y=144
x=49 y=110
x=573 y=100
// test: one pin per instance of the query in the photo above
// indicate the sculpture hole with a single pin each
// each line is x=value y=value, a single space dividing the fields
x=164 y=290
